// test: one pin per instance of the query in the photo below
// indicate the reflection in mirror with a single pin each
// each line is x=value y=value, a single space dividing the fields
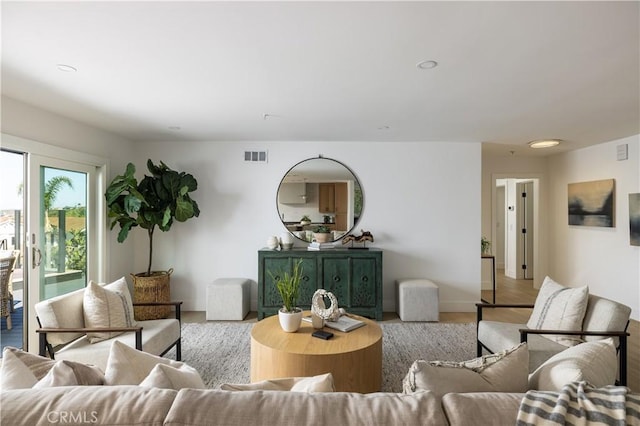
x=319 y=192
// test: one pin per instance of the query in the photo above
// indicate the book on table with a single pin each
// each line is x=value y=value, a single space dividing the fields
x=344 y=323
x=321 y=246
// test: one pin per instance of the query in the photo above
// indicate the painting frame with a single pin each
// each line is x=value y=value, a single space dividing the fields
x=634 y=219
x=592 y=203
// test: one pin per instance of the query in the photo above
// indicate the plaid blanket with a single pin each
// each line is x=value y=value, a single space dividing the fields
x=579 y=403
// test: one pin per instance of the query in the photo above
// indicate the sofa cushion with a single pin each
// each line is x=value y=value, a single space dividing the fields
x=498 y=336
x=595 y=362
x=559 y=308
x=506 y=371
x=107 y=306
x=168 y=377
x=197 y=407
x=605 y=315
x=62 y=312
x=22 y=370
x=481 y=409
x=128 y=366
x=97 y=405
x=157 y=335
x=69 y=373
x=320 y=383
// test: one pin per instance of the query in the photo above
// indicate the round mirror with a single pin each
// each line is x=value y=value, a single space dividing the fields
x=319 y=194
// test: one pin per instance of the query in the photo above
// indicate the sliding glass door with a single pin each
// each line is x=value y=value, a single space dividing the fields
x=53 y=207
x=61 y=236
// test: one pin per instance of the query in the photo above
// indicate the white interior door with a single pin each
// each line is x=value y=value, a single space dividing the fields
x=525 y=230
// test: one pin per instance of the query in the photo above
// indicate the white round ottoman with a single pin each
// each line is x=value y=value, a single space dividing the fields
x=417 y=300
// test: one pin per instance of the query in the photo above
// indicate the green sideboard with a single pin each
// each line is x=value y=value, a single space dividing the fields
x=353 y=276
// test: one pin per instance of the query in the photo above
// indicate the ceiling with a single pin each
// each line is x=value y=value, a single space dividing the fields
x=508 y=72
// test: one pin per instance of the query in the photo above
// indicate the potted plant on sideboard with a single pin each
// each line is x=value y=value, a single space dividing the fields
x=288 y=285
x=154 y=202
x=322 y=234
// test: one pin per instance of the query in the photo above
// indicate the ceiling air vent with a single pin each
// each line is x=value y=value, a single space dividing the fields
x=255 y=156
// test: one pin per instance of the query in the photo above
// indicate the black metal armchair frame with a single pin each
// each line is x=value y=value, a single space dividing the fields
x=525 y=332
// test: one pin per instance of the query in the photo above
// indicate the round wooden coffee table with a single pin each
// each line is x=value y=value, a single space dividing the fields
x=354 y=358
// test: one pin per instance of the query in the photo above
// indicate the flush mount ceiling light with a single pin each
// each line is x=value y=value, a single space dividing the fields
x=66 y=68
x=426 y=65
x=544 y=143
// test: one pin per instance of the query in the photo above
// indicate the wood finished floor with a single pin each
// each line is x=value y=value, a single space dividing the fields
x=508 y=290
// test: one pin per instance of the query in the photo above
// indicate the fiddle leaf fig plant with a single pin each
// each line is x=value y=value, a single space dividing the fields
x=153 y=202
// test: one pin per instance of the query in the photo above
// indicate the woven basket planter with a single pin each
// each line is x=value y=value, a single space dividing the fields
x=152 y=289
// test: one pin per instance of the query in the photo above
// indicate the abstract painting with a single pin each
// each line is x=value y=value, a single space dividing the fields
x=634 y=219
x=592 y=203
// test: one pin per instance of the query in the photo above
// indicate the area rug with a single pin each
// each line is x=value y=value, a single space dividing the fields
x=220 y=351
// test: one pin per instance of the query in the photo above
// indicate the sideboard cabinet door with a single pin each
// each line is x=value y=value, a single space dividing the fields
x=353 y=276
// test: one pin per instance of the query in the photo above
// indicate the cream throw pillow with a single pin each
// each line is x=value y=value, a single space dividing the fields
x=321 y=383
x=595 y=362
x=168 y=377
x=505 y=371
x=69 y=373
x=107 y=306
x=129 y=366
x=22 y=370
x=559 y=308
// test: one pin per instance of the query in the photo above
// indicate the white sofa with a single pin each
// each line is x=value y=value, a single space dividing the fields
x=63 y=332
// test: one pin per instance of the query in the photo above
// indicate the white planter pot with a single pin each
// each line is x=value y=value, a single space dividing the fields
x=290 y=321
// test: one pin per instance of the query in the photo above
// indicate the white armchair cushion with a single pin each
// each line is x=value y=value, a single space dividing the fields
x=559 y=308
x=107 y=306
x=62 y=312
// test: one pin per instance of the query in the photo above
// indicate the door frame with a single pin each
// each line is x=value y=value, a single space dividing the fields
x=539 y=220
x=31 y=147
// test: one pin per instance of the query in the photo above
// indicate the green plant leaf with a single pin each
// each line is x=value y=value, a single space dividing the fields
x=132 y=204
x=125 y=226
x=184 y=209
x=166 y=217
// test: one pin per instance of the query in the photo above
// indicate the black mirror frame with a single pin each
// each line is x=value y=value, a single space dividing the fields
x=357 y=181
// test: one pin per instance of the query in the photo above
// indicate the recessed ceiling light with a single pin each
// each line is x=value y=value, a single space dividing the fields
x=544 y=143
x=426 y=65
x=66 y=68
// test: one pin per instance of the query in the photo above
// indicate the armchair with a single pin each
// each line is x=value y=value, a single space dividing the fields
x=64 y=333
x=603 y=318
x=6 y=298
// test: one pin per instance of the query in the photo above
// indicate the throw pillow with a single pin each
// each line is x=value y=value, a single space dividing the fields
x=107 y=306
x=559 y=308
x=505 y=371
x=69 y=373
x=595 y=362
x=22 y=370
x=129 y=366
x=321 y=383
x=168 y=377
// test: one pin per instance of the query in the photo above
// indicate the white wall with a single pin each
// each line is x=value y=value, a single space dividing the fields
x=601 y=258
x=28 y=122
x=422 y=204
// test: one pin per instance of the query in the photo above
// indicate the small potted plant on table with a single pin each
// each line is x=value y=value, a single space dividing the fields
x=288 y=285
